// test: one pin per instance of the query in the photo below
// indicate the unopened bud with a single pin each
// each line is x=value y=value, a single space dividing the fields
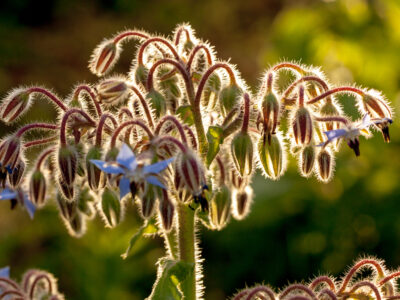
x=112 y=91
x=14 y=178
x=242 y=201
x=9 y=152
x=242 y=153
x=141 y=73
x=37 y=188
x=307 y=160
x=104 y=57
x=237 y=181
x=220 y=207
x=68 y=191
x=148 y=200
x=67 y=209
x=111 y=208
x=67 y=163
x=191 y=172
x=96 y=178
x=211 y=90
x=325 y=165
x=76 y=225
x=167 y=211
x=85 y=202
x=302 y=126
x=229 y=98
x=270 y=110
x=15 y=105
x=272 y=156
x=158 y=103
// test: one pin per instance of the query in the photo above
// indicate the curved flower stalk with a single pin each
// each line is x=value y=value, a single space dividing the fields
x=181 y=135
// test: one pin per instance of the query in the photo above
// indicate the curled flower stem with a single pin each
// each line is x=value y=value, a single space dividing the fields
x=327 y=292
x=99 y=131
x=50 y=95
x=368 y=284
x=89 y=91
x=389 y=277
x=290 y=66
x=322 y=279
x=9 y=282
x=124 y=111
x=221 y=170
x=193 y=55
x=12 y=292
x=246 y=116
x=144 y=105
x=31 y=126
x=336 y=90
x=260 y=289
x=291 y=87
x=301 y=95
x=129 y=123
x=43 y=156
x=152 y=40
x=126 y=34
x=63 y=139
x=301 y=287
x=167 y=138
x=192 y=136
x=333 y=119
x=40 y=142
x=177 y=124
x=179 y=33
x=36 y=281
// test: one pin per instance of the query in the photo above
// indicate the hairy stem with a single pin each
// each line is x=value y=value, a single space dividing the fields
x=49 y=95
x=177 y=124
x=99 y=131
x=128 y=34
x=336 y=90
x=67 y=115
x=89 y=91
x=28 y=127
x=43 y=156
x=144 y=105
x=153 y=40
x=129 y=123
x=193 y=55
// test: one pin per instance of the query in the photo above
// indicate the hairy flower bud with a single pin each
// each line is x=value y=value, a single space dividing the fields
x=37 y=188
x=112 y=91
x=96 y=178
x=167 y=211
x=9 y=152
x=141 y=73
x=15 y=105
x=307 y=160
x=85 y=202
x=148 y=199
x=242 y=201
x=272 y=156
x=270 y=109
x=229 y=97
x=15 y=177
x=237 y=181
x=302 y=126
x=67 y=190
x=67 y=163
x=158 y=103
x=76 y=225
x=191 y=172
x=242 y=153
x=67 y=209
x=211 y=90
x=104 y=57
x=325 y=165
x=111 y=208
x=220 y=207
x=170 y=89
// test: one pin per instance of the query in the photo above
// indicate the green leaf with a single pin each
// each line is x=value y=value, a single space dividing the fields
x=186 y=114
x=170 y=274
x=214 y=138
x=149 y=227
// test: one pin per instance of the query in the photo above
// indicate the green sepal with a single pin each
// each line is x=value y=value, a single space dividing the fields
x=185 y=113
x=215 y=139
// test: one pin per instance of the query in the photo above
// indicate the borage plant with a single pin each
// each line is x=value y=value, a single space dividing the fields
x=180 y=135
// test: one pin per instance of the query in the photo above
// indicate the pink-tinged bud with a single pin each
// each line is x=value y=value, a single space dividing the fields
x=148 y=199
x=167 y=211
x=67 y=190
x=37 y=188
x=112 y=91
x=95 y=177
x=242 y=153
x=15 y=105
x=67 y=209
x=242 y=201
x=220 y=207
x=229 y=97
x=272 y=156
x=325 y=165
x=237 y=181
x=191 y=172
x=158 y=103
x=378 y=108
x=307 y=160
x=104 y=57
x=270 y=110
x=111 y=208
x=302 y=126
x=15 y=177
x=67 y=163
x=9 y=152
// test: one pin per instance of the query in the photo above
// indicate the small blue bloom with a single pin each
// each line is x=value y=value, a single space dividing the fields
x=126 y=164
x=8 y=194
x=5 y=272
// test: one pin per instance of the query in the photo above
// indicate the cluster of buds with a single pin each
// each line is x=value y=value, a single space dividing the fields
x=180 y=128
x=35 y=285
x=367 y=279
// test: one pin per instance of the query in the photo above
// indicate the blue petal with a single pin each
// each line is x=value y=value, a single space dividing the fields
x=154 y=180
x=127 y=158
x=124 y=187
x=7 y=194
x=157 y=167
x=9 y=170
x=366 y=121
x=334 y=134
x=5 y=272
x=107 y=167
x=30 y=207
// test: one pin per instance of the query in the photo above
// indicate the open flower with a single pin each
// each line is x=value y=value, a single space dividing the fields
x=127 y=165
x=5 y=272
x=20 y=197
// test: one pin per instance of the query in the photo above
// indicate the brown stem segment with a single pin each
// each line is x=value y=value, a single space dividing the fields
x=11 y=292
x=129 y=123
x=28 y=127
x=322 y=279
x=301 y=95
x=50 y=95
x=337 y=90
x=63 y=139
x=171 y=139
x=100 y=126
x=126 y=34
x=43 y=156
x=260 y=289
x=332 y=119
x=290 y=66
x=192 y=136
x=298 y=287
x=9 y=282
x=193 y=55
x=389 y=277
x=144 y=105
x=177 y=124
x=179 y=32
x=40 y=142
x=246 y=116
x=291 y=87
x=35 y=282
x=89 y=91
x=152 y=40
x=221 y=170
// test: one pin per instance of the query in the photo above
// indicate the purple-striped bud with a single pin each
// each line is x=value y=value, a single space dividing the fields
x=67 y=163
x=148 y=199
x=14 y=178
x=307 y=160
x=325 y=165
x=95 y=177
x=104 y=57
x=242 y=201
x=67 y=209
x=237 y=181
x=158 y=103
x=229 y=97
x=167 y=211
x=378 y=108
x=242 y=153
x=15 y=105
x=37 y=188
x=191 y=172
x=111 y=208
x=302 y=126
x=9 y=152
x=112 y=91
x=272 y=156
x=67 y=190
x=270 y=110
x=220 y=207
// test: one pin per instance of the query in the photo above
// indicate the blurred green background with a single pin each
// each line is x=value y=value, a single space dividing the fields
x=297 y=228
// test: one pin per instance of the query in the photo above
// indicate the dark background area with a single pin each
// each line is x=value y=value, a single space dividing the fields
x=298 y=228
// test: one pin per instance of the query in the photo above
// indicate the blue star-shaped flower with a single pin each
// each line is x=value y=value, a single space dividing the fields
x=8 y=194
x=127 y=165
x=5 y=272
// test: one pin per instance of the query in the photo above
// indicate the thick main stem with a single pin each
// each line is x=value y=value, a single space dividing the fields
x=187 y=247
